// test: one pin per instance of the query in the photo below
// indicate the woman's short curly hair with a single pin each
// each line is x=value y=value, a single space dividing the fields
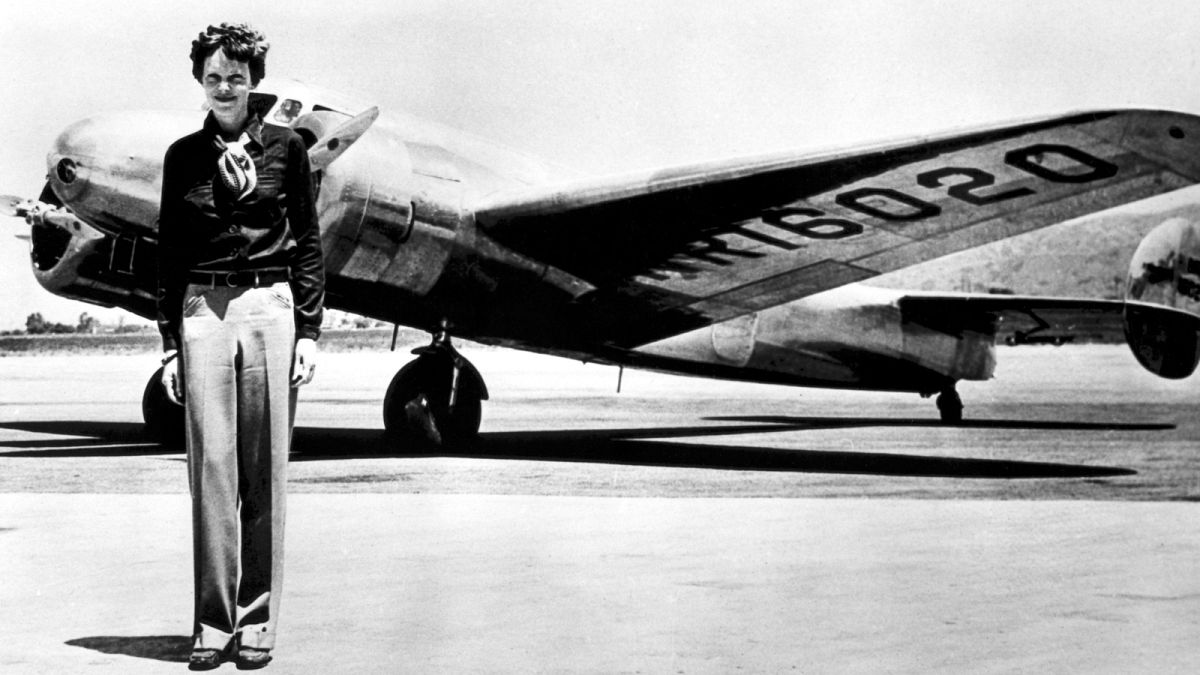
x=239 y=41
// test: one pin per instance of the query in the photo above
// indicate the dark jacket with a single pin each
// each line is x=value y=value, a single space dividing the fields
x=202 y=227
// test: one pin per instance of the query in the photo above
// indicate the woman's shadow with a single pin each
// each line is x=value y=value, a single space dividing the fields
x=172 y=648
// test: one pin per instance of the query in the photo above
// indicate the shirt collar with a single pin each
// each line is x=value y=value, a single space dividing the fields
x=253 y=127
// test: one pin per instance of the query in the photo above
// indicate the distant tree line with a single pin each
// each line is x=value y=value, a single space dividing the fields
x=36 y=324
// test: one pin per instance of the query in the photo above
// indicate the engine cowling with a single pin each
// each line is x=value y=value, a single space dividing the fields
x=1165 y=273
x=75 y=260
x=388 y=218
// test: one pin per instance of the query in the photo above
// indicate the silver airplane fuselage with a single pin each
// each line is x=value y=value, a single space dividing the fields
x=402 y=245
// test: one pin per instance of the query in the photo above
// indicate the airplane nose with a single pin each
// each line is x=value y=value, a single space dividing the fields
x=69 y=160
x=108 y=168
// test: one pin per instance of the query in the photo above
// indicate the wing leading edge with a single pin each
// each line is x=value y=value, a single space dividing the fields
x=672 y=250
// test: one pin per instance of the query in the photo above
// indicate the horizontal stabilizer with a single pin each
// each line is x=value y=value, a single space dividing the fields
x=1018 y=319
x=1164 y=339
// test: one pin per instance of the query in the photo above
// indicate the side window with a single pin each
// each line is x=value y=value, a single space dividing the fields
x=288 y=111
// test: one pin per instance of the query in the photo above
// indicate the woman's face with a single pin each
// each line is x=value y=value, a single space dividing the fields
x=227 y=85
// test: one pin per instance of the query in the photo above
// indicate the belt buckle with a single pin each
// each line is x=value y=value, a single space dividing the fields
x=229 y=279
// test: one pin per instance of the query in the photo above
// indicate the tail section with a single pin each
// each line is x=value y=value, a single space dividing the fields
x=1162 y=299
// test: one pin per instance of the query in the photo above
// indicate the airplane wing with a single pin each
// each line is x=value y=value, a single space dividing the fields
x=667 y=251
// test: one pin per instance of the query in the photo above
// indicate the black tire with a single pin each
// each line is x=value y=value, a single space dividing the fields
x=416 y=407
x=164 y=420
x=950 y=406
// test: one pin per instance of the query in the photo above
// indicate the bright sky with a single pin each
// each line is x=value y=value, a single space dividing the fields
x=604 y=86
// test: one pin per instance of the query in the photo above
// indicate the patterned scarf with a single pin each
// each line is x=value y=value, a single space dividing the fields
x=236 y=167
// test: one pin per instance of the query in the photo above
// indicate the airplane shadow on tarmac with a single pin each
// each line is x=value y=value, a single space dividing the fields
x=637 y=446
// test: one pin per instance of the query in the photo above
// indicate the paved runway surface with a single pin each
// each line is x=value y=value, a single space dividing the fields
x=591 y=532
x=1056 y=423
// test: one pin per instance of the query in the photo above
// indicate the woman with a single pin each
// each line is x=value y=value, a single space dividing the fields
x=241 y=287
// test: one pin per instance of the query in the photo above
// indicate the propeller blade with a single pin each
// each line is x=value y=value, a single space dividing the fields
x=13 y=206
x=329 y=148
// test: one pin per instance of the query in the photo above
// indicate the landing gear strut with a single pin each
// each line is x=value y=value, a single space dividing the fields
x=164 y=419
x=949 y=405
x=436 y=399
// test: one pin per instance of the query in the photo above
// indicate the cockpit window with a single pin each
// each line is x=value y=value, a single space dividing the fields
x=288 y=111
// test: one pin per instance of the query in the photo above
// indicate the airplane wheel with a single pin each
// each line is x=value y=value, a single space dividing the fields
x=950 y=406
x=416 y=407
x=164 y=419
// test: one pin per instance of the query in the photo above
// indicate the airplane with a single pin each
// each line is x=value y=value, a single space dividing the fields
x=745 y=269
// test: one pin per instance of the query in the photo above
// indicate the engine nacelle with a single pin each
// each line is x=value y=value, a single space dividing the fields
x=388 y=218
x=851 y=336
x=75 y=260
x=1165 y=273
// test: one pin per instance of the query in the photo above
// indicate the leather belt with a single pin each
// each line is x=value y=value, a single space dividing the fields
x=239 y=279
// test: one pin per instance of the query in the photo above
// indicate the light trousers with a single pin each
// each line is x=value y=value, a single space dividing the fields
x=237 y=351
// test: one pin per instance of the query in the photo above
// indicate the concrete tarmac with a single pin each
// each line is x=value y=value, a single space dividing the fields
x=479 y=583
x=672 y=528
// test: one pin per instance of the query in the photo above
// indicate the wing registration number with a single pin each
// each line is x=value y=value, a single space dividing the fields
x=1055 y=163
x=1051 y=162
